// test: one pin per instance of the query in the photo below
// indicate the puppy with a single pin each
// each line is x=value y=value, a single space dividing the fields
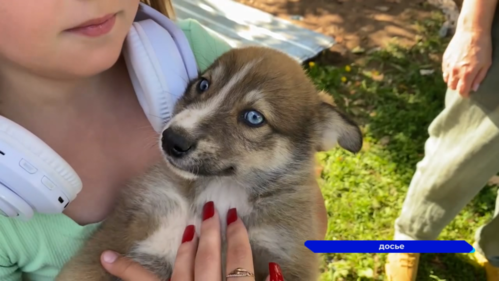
x=243 y=135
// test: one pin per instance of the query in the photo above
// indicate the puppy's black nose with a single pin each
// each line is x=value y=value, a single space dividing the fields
x=175 y=144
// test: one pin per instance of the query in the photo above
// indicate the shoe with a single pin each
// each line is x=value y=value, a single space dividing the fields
x=402 y=267
x=491 y=271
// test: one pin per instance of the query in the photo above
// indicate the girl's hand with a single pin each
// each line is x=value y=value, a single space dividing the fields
x=125 y=268
x=201 y=257
x=466 y=60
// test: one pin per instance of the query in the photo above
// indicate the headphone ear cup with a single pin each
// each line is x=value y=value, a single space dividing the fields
x=156 y=69
x=33 y=177
x=11 y=205
x=23 y=140
x=180 y=40
x=160 y=63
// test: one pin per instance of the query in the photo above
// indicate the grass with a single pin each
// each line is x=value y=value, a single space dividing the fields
x=395 y=103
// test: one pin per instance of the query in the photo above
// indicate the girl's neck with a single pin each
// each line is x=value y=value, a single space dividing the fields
x=25 y=97
x=96 y=125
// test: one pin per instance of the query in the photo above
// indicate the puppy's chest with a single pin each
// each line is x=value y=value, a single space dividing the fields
x=225 y=194
x=174 y=212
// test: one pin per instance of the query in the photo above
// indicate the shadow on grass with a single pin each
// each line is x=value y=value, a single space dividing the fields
x=396 y=111
x=484 y=203
x=395 y=97
x=444 y=267
x=393 y=101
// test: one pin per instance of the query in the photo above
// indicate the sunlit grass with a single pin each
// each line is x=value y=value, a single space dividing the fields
x=395 y=102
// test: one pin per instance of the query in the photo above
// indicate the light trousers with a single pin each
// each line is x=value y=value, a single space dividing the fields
x=461 y=155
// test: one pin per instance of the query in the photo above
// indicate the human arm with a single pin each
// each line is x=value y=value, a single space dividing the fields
x=477 y=15
x=469 y=54
x=199 y=256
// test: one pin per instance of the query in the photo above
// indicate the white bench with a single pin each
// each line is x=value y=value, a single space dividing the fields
x=243 y=25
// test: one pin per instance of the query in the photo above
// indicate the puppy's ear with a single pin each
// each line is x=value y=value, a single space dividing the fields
x=333 y=128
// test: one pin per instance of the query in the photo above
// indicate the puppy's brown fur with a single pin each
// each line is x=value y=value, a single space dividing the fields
x=216 y=149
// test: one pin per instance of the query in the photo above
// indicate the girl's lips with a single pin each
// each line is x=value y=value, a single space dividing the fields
x=95 y=27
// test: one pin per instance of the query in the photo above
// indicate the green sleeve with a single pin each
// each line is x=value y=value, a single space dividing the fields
x=9 y=271
x=205 y=44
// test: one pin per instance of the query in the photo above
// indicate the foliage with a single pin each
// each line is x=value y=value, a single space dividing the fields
x=394 y=96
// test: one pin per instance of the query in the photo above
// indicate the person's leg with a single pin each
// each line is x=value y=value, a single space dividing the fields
x=487 y=240
x=461 y=155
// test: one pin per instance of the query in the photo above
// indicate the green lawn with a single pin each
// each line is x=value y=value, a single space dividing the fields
x=395 y=103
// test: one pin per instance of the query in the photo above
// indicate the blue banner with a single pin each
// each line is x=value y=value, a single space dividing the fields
x=389 y=246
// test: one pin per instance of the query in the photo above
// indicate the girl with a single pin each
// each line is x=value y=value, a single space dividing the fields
x=71 y=88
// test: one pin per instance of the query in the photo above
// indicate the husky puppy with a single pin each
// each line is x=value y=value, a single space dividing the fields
x=243 y=135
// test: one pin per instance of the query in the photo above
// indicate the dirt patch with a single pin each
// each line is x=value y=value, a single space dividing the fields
x=356 y=25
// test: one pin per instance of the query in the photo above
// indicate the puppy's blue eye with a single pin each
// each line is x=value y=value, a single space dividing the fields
x=203 y=85
x=253 y=118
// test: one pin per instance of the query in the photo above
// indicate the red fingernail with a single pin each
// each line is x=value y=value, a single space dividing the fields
x=275 y=272
x=188 y=233
x=208 y=210
x=231 y=216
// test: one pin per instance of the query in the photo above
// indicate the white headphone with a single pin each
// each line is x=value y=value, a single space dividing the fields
x=34 y=178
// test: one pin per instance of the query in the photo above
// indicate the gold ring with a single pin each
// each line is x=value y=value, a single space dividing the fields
x=240 y=272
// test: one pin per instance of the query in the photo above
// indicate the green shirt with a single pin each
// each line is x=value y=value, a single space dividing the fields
x=36 y=250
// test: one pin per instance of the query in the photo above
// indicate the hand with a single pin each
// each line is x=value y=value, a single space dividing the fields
x=466 y=60
x=200 y=257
